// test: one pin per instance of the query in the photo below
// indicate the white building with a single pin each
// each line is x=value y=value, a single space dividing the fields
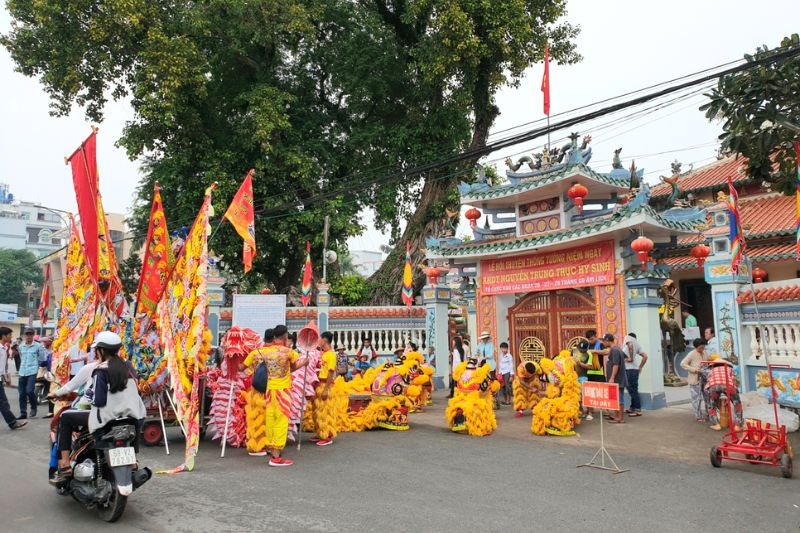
x=366 y=262
x=28 y=226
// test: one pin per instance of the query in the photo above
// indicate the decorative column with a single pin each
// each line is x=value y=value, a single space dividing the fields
x=323 y=306
x=436 y=299
x=727 y=315
x=643 y=304
x=472 y=317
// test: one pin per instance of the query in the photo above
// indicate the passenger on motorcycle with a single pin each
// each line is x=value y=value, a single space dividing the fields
x=113 y=395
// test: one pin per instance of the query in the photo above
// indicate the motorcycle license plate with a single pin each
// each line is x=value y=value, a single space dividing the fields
x=121 y=456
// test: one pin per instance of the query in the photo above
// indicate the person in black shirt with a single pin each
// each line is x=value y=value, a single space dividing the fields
x=615 y=373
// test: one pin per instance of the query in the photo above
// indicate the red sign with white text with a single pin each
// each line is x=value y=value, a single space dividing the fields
x=600 y=395
x=584 y=266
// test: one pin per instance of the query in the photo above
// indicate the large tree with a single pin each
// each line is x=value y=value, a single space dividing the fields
x=760 y=109
x=19 y=269
x=322 y=97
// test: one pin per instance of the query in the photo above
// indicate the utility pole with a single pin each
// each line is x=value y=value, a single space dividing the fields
x=325 y=250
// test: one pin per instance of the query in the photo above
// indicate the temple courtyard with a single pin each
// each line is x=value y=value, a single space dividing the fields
x=430 y=479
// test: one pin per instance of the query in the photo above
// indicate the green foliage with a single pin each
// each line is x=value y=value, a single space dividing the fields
x=316 y=95
x=129 y=271
x=351 y=289
x=18 y=269
x=748 y=99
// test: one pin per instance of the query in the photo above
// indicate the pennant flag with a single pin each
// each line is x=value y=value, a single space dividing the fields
x=78 y=305
x=306 y=289
x=83 y=163
x=738 y=243
x=546 y=80
x=241 y=214
x=186 y=340
x=45 y=299
x=797 y=223
x=155 y=263
x=408 y=279
x=94 y=227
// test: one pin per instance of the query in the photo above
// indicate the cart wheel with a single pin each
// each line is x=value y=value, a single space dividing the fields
x=786 y=466
x=716 y=457
x=151 y=434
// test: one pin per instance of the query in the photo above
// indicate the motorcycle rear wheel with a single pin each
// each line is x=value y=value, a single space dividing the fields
x=115 y=507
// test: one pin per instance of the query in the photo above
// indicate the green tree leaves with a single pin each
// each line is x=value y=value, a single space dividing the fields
x=18 y=269
x=755 y=107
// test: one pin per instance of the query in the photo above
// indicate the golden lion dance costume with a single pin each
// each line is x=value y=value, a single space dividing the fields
x=559 y=412
x=394 y=389
x=419 y=374
x=471 y=407
x=526 y=387
x=323 y=411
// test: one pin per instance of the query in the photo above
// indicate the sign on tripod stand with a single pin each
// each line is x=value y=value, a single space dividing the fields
x=605 y=397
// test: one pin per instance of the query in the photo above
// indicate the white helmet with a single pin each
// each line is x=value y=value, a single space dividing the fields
x=108 y=340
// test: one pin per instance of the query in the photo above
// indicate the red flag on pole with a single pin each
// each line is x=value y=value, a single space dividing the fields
x=408 y=279
x=45 y=300
x=241 y=214
x=546 y=80
x=83 y=163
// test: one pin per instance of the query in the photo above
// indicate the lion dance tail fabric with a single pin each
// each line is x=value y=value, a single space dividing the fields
x=559 y=412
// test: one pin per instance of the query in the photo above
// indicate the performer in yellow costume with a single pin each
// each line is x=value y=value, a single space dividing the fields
x=256 y=406
x=559 y=412
x=471 y=407
x=324 y=412
x=526 y=387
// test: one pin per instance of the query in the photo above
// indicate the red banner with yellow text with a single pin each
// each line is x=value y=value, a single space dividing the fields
x=583 y=266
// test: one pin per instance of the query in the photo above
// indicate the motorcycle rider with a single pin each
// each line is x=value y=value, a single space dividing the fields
x=114 y=395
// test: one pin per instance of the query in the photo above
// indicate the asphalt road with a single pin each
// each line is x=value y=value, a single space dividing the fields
x=426 y=479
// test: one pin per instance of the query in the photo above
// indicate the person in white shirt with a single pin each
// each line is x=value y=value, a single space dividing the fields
x=712 y=344
x=456 y=358
x=5 y=407
x=506 y=370
x=635 y=359
x=77 y=359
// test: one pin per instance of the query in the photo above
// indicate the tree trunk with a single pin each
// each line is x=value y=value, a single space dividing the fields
x=429 y=218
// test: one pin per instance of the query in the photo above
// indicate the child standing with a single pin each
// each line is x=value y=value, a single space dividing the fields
x=506 y=368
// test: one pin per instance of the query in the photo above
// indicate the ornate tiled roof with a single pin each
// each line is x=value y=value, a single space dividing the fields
x=297 y=313
x=763 y=216
x=592 y=226
x=782 y=293
x=759 y=254
x=503 y=191
x=709 y=177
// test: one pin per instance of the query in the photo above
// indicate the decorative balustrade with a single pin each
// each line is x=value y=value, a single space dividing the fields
x=779 y=310
x=388 y=327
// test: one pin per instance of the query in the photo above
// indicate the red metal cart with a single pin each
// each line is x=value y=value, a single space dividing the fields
x=756 y=443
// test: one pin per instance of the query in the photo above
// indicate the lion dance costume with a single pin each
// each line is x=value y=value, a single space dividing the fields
x=256 y=406
x=471 y=407
x=526 y=387
x=559 y=412
x=227 y=382
x=323 y=410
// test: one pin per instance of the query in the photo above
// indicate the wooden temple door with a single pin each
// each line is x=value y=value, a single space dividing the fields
x=543 y=323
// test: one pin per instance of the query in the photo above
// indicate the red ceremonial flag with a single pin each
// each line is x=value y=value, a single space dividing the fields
x=241 y=214
x=407 y=293
x=307 y=270
x=546 y=80
x=736 y=235
x=84 y=178
x=45 y=300
x=156 y=260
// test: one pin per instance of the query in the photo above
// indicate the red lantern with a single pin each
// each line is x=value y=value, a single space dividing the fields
x=700 y=252
x=578 y=192
x=472 y=215
x=759 y=274
x=434 y=273
x=642 y=246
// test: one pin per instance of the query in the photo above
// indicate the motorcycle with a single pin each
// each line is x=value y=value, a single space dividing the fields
x=104 y=471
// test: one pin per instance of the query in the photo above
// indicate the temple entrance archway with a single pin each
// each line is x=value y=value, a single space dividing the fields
x=542 y=323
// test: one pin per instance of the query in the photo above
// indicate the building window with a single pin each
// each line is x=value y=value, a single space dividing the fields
x=720 y=219
x=45 y=236
x=40 y=217
x=721 y=246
